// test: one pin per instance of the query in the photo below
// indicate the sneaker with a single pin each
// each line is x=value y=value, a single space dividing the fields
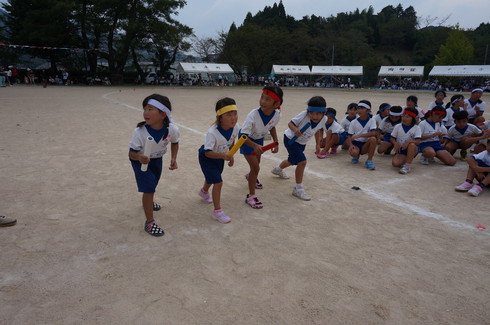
x=205 y=196
x=424 y=161
x=153 y=229
x=475 y=190
x=405 y=169
x=254 y=202
x=279 y=172
x=221 y=216
x=300 y=193
x=464 y=187
x=322 y=155
x=7 y=222
x=369 y=165
x=463 y=154
x=355 y=160
x=432 y=159
x=333 y=151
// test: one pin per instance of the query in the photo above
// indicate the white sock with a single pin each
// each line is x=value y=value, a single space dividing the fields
x=299 y=186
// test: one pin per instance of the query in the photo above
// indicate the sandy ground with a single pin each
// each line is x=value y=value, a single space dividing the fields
x=403 y=249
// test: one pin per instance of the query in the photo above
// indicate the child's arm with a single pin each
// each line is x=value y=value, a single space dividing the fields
x=134 y=155
x=174 y=149
x=407 y=143
x=295 y=129
x=273 y=132
x=395 y=144
x=477 y=169
x=364 y=135
x=318 y=140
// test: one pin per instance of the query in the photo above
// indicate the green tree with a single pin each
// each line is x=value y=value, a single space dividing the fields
x=457 y=50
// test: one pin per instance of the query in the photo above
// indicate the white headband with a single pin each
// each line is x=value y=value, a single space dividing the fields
x=364 y=105
x=161 y=107
x=395 y=114
x=457 y=99
x=476 y=89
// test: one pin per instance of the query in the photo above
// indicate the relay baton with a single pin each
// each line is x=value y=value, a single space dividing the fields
x=148 y=148
x=267 y=147
x=238 y=144
x=303 y=129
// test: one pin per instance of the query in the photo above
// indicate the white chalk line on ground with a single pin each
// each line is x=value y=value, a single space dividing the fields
x=374 y=194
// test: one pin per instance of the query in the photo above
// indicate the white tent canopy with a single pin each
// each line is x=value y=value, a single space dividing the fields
x=460 y=71
x=401 y=71
x=337 y=70
x=184 y=67
x=290 y=69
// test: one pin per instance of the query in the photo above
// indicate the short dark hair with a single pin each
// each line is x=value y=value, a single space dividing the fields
x=460 y=115
x=317 y=101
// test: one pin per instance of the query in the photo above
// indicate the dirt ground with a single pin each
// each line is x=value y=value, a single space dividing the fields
x=403 y=249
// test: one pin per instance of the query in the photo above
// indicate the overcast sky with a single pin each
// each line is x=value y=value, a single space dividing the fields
x=207 y=17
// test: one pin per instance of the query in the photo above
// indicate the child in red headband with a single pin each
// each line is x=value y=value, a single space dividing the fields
x=432 y=132
x=259 y=122
x=405 y=138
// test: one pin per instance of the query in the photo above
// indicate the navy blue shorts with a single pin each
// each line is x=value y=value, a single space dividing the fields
x=405 y=152
x=481 y=164
x=359 y=144
x=211 y=168
x=436 y=145
x=386 y=137
x=147 y=181
x=246 y=150
x=342 y=138
x=295 y=151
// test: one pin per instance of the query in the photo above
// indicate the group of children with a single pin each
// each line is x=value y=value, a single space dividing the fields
x=405 y=131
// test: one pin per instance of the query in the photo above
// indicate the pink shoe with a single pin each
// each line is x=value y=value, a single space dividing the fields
x=464 y=187
x=475 y=190
x=322 y=155
x=221 y=216
x=205 y=196
x=333 y=151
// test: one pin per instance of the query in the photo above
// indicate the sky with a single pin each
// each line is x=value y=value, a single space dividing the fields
x=208 y=17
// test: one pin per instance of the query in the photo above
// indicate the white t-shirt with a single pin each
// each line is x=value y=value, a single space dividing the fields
x=300 y=120
x=254 y=126
x=428 y=128
x=434 y=104
x=483 y=156
x=403 y=134
x=345 y=123
x=378 y=119
x=356 y=128
x=386 y=126
x=216 y=142
x=140 y=135
x=335 y=127
x=471 y=108
x=457 y=134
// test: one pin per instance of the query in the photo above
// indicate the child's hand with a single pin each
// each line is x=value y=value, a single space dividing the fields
x=143 y=159
x=396 y=146
x=298 y=133
x=227 y=157
x=232 y=161
x=258 y=149
x=173 y=164
x=275 y=149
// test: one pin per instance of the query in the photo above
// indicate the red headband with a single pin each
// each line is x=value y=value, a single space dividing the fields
x=272 y=95
x=412 y=114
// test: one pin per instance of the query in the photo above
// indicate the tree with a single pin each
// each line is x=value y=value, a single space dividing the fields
x=457 y=50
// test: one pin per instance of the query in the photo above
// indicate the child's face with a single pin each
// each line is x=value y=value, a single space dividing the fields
x=407 y=119
x=384 y=113
x=411 y=104
x=439 y=97
x=459 y=103
x=352 y=112
x=362 y=112
x=436 y=118
x=152 y=115
x=316 y=116
x=394 y=118
x=476 y=96
x=267 y=103
x=461 y=123
x=330 y=119
x=228 y=120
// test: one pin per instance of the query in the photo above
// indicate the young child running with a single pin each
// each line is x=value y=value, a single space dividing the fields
x=361 y=136
x=258 y=123
x=432 y=132
x=157 y=125
x=212 y=155
x=346 y=121
x=456 y=104
x=462 y=135
x=386 y=127
x=295 y=139
x=405 y=138
x=439 y=95
x=335 y=136
x=479 y=169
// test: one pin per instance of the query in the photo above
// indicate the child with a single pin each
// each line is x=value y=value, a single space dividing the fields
x=258 y=123
x=475 y=106
x=462 y=135
x=482 y=144
x=295 y=142
x=430 y=144
x=479 y=169
x=439 y=95
x=335 y=136
x=383 y=111
x=351 y=116
x=157 y=124
x=212 y=155
x=412 y=103
x=386 y=127
x=456 y=104
x=405 y=138
x=361 y=136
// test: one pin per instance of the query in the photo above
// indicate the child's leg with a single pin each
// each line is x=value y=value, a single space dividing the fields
x=451 y=147
x=217 y=195
x=254 y=163
x=412 y=151
x=479 y=148
x=384 y=147
x=147 y=201
x=467 y=142
x=284 y=164
x=299 y=172
x=446 y=157
x=332 y=139
x=398 y=160
x=369 y=147
x=206 y=187
x=428 y=152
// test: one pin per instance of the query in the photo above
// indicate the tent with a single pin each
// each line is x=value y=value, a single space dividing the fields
x=337 y=70
x=401 y=71
x=184 y=67
x=460 y=71
x=290 y=69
